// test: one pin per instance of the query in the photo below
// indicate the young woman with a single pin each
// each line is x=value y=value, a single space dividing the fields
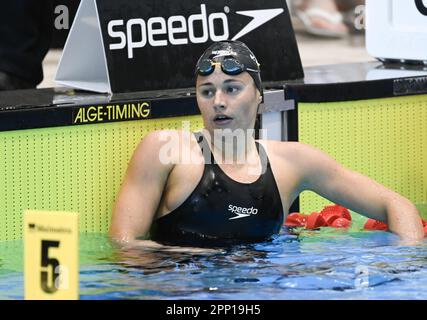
x=220 y=186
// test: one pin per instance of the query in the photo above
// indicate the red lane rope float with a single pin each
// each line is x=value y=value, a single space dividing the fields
x=372 y=224
x=315 y=220
x=336 y=210
x=296 y=219
x=334 y=216
x=341 y=223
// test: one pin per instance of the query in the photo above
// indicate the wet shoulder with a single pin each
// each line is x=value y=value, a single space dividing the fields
x=283 y=149
x=171 y=144
x=298 y=154
x=172 y=137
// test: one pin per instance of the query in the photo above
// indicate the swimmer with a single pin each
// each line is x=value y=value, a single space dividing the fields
x=216 y=187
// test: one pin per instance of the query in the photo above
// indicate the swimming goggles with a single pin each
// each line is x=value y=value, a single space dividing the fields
x=229 y=66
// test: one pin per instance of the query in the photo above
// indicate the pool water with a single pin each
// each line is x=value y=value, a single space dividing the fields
x=325 y=264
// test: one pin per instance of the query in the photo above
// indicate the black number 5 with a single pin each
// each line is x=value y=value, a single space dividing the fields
x=46 y=263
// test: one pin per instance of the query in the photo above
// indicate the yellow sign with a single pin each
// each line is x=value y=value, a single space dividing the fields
x=106 y=113
x=51 y=255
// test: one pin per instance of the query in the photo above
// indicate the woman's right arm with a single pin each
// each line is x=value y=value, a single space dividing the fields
x=141 y=191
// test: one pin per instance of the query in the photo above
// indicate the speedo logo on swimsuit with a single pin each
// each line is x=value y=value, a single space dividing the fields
x=241 y=212
x=179 y=30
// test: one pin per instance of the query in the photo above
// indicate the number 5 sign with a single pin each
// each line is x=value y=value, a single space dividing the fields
x=51 y=255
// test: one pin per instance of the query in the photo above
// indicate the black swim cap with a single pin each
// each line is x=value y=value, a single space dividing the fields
x=219 y=51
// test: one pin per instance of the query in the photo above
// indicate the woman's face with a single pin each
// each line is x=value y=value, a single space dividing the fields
x=227 y=102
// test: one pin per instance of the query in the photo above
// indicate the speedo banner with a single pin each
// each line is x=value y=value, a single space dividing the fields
x=154 y=45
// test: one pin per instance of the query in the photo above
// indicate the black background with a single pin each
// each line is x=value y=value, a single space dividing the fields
x=60 y=36
x=172 y=67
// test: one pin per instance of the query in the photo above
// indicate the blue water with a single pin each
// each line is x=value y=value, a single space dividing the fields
x=327 y=264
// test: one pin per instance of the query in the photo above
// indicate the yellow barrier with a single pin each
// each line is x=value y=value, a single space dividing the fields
x=385 y=139
x=72 y=168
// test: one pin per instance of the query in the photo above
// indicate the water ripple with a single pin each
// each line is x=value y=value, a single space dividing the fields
x=325 y=264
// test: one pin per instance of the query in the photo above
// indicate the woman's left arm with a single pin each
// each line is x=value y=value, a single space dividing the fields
x=325 y=176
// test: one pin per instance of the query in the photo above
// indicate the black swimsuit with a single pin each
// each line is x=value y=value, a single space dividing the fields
x=221 y=211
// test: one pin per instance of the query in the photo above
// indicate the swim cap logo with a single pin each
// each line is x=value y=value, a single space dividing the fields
x=253 y=58
x=241 y=212
x=159 y=31
x=223 y=53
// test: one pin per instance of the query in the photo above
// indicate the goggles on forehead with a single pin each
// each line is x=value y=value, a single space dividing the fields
x=229 y=66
